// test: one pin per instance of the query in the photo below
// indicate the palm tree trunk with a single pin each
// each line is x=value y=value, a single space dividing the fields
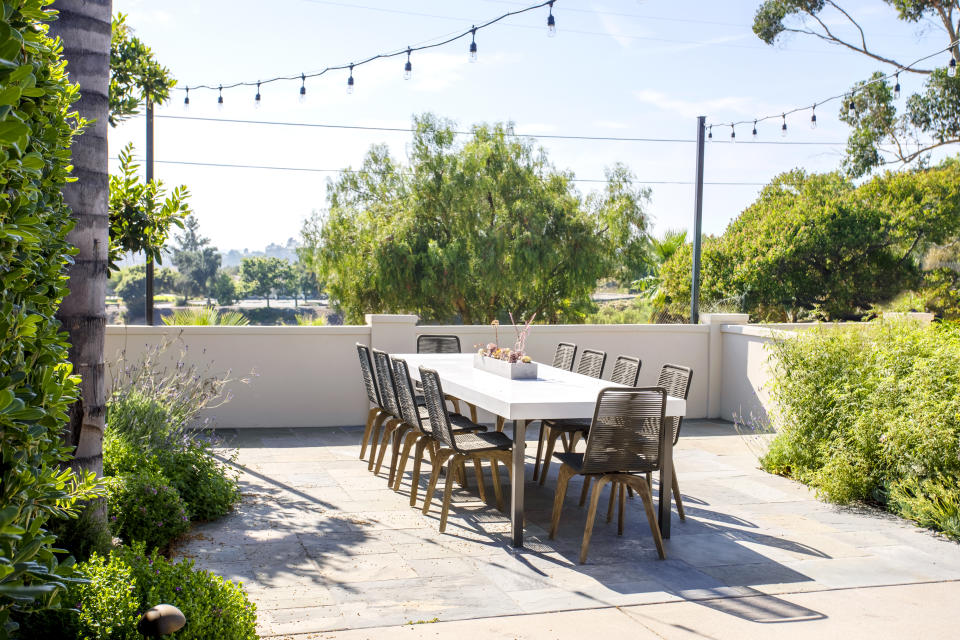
x=84 y=27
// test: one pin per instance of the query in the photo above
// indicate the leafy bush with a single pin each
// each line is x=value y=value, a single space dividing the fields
x=872 y=413
x=144 y=507
x=224 y=289
x=132 y=287
x=130 y=581
x=36 y=384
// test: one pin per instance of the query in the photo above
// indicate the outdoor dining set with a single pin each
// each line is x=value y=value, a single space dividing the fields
x=629 y=431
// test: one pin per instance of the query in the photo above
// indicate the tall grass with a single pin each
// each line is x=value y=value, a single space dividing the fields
x=206 y=316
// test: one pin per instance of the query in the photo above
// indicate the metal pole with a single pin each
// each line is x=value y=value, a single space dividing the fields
x=697 y=224
x=149 y=278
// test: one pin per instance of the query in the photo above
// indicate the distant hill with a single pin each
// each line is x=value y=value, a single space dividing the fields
x=286 y=251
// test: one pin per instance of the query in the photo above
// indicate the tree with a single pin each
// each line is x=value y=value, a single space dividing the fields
x=931 y=117
x=196 y=261
x=658 y=252
x=263 y=277
x=141 y=213
x=820 y=243
x=224 y=289
x=470 y=231
x=132 y=288
x=134 y=73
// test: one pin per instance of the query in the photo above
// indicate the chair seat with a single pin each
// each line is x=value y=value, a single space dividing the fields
x=575 y=460
x=569 y=425
x=477 y=442
x=459 y=422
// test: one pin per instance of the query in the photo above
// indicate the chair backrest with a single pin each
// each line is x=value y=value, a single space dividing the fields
x=676 y=380
x=627 y=433
x=366 y=367
x=438 y=344
x=626 y=370
x=388 y=390
x=591 y=363
x=565 y=355
x=405 y=395
x=437 y=408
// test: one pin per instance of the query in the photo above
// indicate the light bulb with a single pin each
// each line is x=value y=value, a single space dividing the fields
x=754 y=134
x=350 y=81
x=407 y=68
x=256 y=98
x=896 y=89
x=733 y=134
x=473 y=45
x=952 y=67
x=783 y=129
x=186 y=101
x=710 y=133
x=852 y=110
x=551 y=23
x=303 y=89
x=813 y=119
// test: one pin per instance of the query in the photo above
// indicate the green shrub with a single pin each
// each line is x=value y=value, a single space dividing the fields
x=206 y=316
x=871 y=412
x=144 y=507
x=130 y=581
x=36 y=381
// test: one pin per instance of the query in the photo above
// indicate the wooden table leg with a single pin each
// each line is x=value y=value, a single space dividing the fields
x=518 y=481
x=666 y=484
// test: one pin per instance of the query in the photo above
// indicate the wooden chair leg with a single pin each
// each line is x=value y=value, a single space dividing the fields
x=647 y=496
x=399 y=436
x=462 y=474
x=536 y=459
x=408 y=443
x=623 y=506
x=473 y=411
x=558 y=497
x=676 y=495
x=447 y=492
x=500 y=422
x=375 y=437
x=613 y=497
x=456 y=404
x=565 y=442
x=497 y=489
x=478 y=470
x=585 y=490
x=548 y=454
x=368 y=429
x=415 y=480
x=387 y=439
x=439 y=460
x=591 y=516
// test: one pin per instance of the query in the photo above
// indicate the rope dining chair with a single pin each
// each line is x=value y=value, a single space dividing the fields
x=676 y=380
x=591 y=365
x=625 y=442
x=376 y=414
x=460 y=447
x=388 y=399
x=416 y=415
x=441 y=343
x=563 y=358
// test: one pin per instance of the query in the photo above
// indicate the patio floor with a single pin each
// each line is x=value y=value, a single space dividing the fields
x=323 y=545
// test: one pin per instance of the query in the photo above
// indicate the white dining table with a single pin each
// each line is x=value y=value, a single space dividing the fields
x=554 y=393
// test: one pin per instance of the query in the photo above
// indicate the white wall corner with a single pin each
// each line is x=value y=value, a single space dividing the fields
x=715 y=356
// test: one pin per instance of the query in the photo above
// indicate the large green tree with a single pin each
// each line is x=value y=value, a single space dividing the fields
x=818 y=242
x=881 y=134
x=196 y=261
x=134 y=73
x=263 y=277
x=472 y=230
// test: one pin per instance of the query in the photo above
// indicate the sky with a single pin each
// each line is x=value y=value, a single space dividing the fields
x=620 y=68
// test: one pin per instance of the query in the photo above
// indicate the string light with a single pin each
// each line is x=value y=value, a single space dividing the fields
x=350 y=81
x=186 y=100
x=952 y=67
x=733 y=134
x=303 y=88
x=434 y=43
x=710 y=133
x=256 y=98
x=755 y=136
x=848 y=97
x=407 y=68
x=220 y=98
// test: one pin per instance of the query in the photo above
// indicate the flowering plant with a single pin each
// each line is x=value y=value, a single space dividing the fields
x=517 y=354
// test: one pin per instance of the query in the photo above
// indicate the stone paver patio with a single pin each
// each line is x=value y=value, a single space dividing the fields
x=323 y=545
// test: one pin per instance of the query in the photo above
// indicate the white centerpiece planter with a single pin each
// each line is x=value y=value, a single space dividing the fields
x=512 y=370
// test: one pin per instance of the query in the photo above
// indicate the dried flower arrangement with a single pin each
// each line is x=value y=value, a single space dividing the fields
x=517 y=354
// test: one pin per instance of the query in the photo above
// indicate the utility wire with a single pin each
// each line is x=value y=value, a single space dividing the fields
x=392 y=54
x=315 y=170
x=466 y=133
